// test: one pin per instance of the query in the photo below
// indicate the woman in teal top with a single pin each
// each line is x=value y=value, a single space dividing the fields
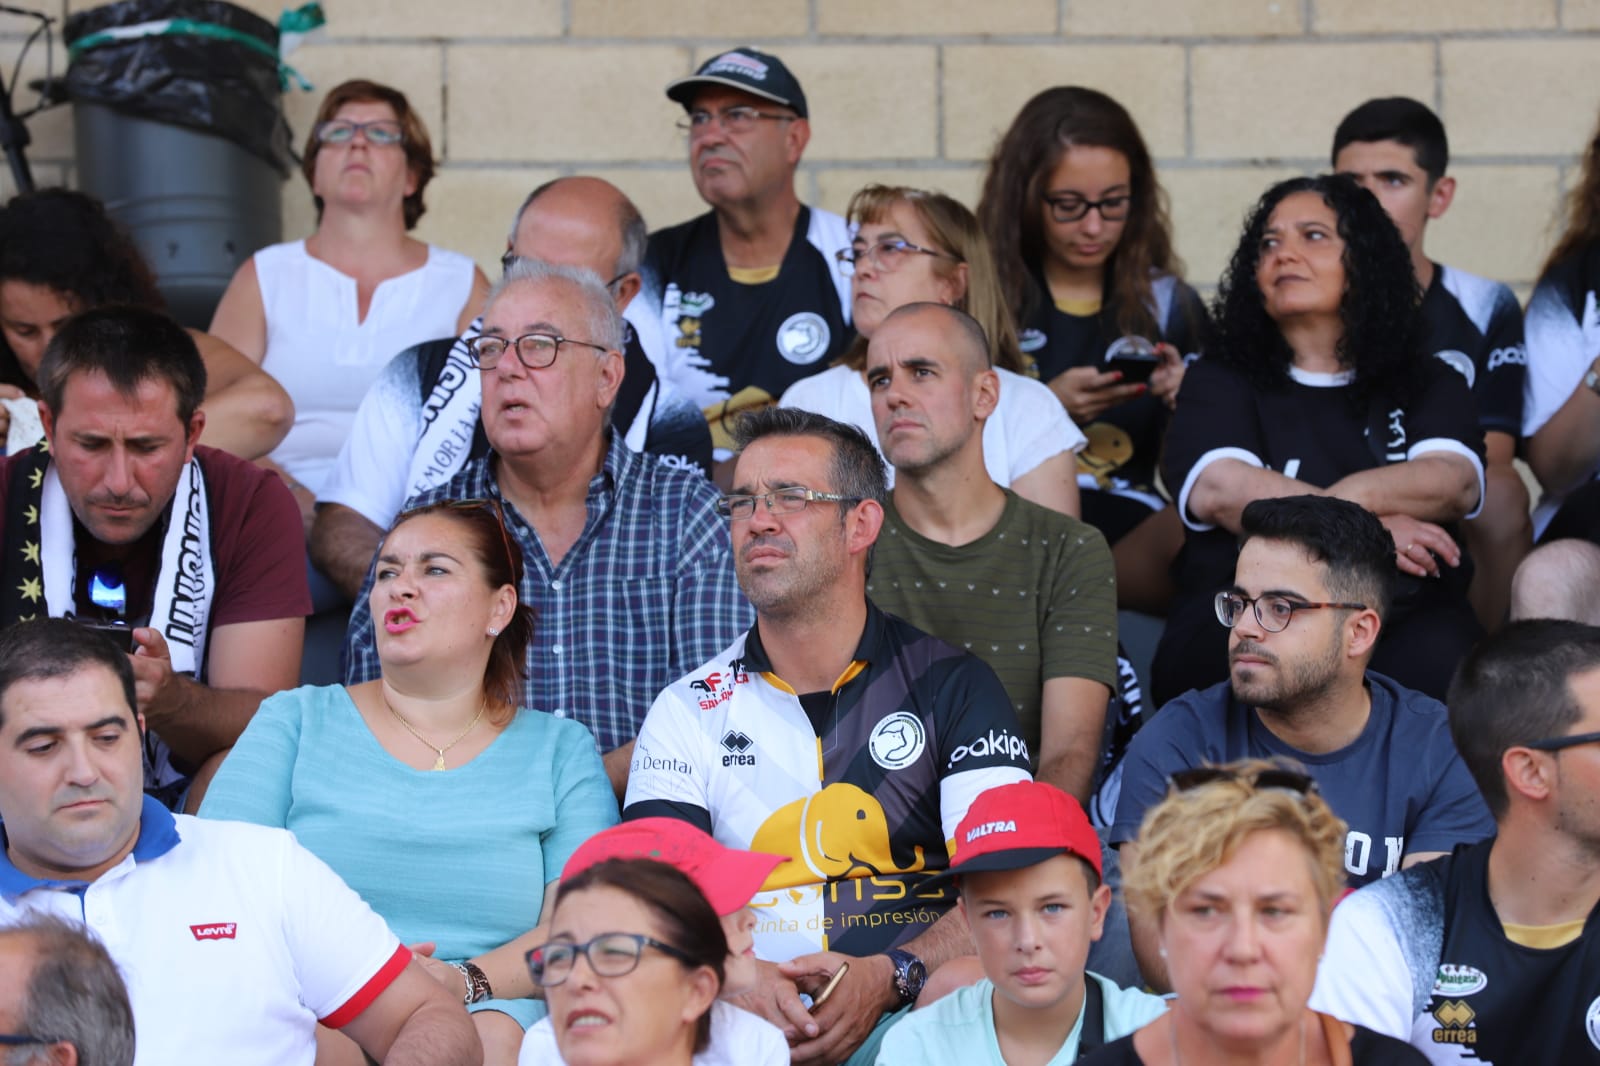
x=448 y=809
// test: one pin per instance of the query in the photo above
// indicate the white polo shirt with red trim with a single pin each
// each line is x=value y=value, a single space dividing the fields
x=233 y=939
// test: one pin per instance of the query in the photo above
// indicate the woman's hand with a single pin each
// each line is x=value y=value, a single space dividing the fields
x=1085 y=392
x=1168 y=377
x=448 y=976
x=1419 y=546
x=7 y=392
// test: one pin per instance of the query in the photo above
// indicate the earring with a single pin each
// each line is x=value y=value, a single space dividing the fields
x=493 y=632
x=1162 y=950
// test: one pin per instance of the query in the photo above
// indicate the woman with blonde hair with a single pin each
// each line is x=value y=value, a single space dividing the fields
x=1239 y=868
x=914 y=246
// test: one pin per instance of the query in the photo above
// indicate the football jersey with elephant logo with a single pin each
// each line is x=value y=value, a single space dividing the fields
x=864 y=797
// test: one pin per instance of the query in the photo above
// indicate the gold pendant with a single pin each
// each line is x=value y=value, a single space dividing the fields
x=438 y=764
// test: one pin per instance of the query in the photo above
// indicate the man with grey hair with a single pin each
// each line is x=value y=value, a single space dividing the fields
x=418 y=425
x=62 y=1001
x=627 y=565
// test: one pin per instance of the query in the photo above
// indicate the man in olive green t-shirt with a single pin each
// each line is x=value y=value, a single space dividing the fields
x=1029 y=590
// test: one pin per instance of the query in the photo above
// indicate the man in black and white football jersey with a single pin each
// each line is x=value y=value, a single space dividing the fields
x=1396 y=148
x=1492 y=954
x=751 y=297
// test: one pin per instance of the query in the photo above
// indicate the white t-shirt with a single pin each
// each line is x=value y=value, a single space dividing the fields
x=234 y=940
x=738 y=1038
x=326 y=358
x=958 y=1030
x=1028 y=426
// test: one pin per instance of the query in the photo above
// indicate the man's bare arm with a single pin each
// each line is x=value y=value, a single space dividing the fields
x=343 y=542
x=1072 y=721
x=416 y=1022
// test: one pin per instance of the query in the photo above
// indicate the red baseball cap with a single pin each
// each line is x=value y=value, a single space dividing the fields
x=1022 y=824
x=727 y=877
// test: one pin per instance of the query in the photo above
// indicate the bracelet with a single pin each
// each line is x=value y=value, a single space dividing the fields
x=476 y=983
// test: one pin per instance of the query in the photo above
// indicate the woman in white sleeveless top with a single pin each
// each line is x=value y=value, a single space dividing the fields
x=910 y=246
x=324 y=315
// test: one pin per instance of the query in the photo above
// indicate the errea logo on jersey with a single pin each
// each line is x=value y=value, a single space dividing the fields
x=215 y=931
x=1002 y=745
x=990 y=827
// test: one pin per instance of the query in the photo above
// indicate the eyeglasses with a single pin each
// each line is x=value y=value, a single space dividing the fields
x=1274 y=613
x=478 y=504
x=1276 y=777
x=510 y=259
x=609 y=955
x=534 y=350
x=779 y=501
x=887 y=255
x=1071 y=207
x=733 y=120
x=383 y=133
x=1562 y=743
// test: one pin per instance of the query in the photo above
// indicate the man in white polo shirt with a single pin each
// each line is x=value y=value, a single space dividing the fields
x=234 y=940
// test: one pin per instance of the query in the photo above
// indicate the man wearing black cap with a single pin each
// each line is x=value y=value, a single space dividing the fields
x=751 y=302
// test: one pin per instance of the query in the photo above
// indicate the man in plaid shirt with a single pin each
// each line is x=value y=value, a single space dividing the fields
x=628 y=567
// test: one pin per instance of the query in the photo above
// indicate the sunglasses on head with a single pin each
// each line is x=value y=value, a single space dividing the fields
x=1275 y=777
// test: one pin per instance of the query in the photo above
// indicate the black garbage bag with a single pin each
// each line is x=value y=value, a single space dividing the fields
x=204 y=64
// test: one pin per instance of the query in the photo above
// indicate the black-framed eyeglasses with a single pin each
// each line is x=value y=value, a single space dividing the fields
x=733 y=120
x=1071 y=207
x=1562 y=743
x=609 y=955
x=27 y=1040
x=383 y=132
x=534 y=350
x=1273 y=612
x=480 y=503
x=1272 y=777
x=779 y=501
x=887 y=255
x=510 y=259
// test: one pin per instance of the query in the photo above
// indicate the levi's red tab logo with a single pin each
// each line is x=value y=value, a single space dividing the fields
x=214 y=931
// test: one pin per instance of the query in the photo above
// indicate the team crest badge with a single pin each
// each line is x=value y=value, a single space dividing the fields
x=897 y=741
x=803 y=338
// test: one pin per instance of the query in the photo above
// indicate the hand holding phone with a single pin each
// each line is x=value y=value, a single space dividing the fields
x=827 y=989
x=1134 y=358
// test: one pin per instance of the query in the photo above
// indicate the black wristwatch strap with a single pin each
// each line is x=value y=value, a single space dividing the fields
x=476 y=983
x=909 y=975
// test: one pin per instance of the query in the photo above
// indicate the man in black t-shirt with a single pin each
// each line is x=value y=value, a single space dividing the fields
x=1492 y=955
x=750 y=297
x=1396 y=148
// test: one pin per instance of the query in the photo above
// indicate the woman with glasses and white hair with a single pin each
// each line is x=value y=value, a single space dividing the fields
x=913 y=246
x=1239 y=868
x=448 y=808
x=323 y=315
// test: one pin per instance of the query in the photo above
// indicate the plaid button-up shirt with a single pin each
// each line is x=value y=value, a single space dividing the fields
x=646 y=594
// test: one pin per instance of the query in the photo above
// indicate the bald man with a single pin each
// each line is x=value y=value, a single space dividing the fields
x=1028 y=590
x=418 y=425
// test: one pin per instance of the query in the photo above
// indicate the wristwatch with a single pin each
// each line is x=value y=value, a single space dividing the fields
x=476 y=983
x=909 y=975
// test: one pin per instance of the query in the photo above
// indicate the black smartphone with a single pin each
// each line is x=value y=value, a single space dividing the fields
x=1134 y=358
x=119 y=633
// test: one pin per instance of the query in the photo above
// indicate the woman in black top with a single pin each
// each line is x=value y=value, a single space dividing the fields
x=1319 y=384
x=1239 y=868
x=1083 y=245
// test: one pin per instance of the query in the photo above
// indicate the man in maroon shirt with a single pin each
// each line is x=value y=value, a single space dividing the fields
x=119 y=517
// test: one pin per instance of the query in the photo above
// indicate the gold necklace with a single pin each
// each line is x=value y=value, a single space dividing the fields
x=438 y=764
x=1173 y=1029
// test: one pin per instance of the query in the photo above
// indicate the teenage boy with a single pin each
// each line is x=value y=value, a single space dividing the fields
x=1027 y=865
x=1396 y=148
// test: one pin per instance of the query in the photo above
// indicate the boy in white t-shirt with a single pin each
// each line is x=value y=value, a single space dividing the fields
x=1027 y=863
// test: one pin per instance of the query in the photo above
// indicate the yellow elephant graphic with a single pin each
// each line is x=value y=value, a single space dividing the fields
x=831 y=834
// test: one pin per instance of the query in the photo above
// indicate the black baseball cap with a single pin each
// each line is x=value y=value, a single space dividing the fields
x=747 y=70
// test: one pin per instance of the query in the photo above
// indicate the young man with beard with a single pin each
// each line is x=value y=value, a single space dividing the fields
x=1310 y=591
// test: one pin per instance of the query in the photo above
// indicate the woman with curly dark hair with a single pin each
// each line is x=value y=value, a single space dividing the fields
x=1083 y=245
x=1319 y=384
x=1561 y=414
x=60 y=253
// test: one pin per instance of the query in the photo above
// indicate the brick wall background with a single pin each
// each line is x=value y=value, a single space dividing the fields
x=1230 y=94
